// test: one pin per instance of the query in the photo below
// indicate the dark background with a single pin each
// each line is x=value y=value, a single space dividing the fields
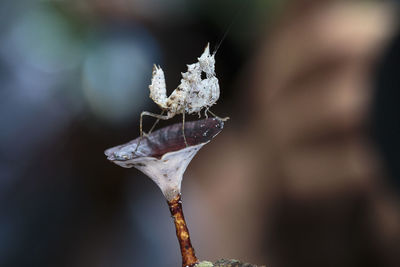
x=74 y=78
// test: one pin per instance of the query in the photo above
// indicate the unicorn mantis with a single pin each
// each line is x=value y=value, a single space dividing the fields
x=199 y=89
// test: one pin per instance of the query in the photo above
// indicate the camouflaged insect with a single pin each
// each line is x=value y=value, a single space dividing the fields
x=195 y=91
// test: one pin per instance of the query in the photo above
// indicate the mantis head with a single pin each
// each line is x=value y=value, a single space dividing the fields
x=207 y=62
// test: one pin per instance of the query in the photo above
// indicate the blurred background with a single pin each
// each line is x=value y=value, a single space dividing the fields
x=304 y=174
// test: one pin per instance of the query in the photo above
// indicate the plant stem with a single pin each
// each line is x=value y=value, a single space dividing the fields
x=188 y=257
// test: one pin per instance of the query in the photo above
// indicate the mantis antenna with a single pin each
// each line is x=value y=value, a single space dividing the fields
x=193 y=94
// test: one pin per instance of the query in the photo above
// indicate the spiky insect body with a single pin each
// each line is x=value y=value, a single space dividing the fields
x=193 y=93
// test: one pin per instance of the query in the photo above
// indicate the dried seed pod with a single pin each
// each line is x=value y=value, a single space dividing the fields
x=163 y=155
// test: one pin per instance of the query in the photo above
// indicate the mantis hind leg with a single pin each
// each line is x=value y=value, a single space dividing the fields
x=219 y=118
x=157 y=116
x=155 y=123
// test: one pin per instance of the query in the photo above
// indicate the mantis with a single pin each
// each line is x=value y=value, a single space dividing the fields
x=199 y=89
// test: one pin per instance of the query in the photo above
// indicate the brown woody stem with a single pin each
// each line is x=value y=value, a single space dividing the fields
x=188 y=257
